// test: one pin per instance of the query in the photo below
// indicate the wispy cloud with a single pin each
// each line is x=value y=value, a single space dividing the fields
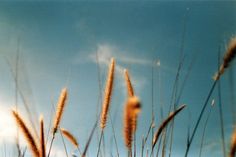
x=105 y=52
x=103 y=55
x=137 y=61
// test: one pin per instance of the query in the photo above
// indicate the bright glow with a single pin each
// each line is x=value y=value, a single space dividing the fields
x=58 y=152
x=158 y=63
x=7 y=126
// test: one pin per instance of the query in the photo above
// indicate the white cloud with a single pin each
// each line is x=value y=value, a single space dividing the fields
x=131 y=60
x=105 y=52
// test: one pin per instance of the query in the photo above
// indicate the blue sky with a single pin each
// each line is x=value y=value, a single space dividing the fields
x=58 y=45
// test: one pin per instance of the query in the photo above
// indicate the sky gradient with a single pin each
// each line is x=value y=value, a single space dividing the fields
x=58 y=43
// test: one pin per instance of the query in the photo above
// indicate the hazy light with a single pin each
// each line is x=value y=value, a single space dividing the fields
x=7 y=127
x=158 y=63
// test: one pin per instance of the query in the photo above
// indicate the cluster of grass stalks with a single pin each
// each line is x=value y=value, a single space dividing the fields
x=37 y=143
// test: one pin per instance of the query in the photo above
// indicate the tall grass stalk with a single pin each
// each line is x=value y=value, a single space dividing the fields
x=232 y=94
x=57 y=118
x=25 y=103
x=114 y=135
x=204 y=128
x=164 y=124
x=71 y=138
x=31 y=141
x=63 y=142
x=42 y=138
x=221 y=112
x=106 y=100
x=89 y=139
x=228 y=57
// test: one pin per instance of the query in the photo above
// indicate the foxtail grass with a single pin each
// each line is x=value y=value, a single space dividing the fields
x=233 y=144
x=132 y=108
x=59 y=111
x=164 y=124
x=228 y=58
x=130 y=89
x=130 y=93
x=42 y=138
x=71 y=138
x=60 y=108
x=107 y=95
x=31 y=141
x=106 y=100
x=220 y=109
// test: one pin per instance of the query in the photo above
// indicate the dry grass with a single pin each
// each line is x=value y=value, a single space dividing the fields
x=233 y=144
x=70 y=137
x=42 y=138
x=228 y=57
x=60 y=108
x=31 y=141
x=132 y=108
x=128 y=83
x=107 y=95
x=164 y=124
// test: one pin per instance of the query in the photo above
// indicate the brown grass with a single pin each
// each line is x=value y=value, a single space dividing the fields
x=42 y=138
x=228 y=57
x=233 y=144
x=70 y=137
x=130 y=89
x=27 y=134
x=164 y=124
x=60 y=108
x=107 y=95
x=132 y=108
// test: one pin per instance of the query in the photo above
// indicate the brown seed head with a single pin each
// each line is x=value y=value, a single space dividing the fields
x=228 y=57
x=130 y=89
x=131 y=111
x=233 y=144
x=42 y=138
x=60 y=108
x=70 y=137
x=27 y=134
x=164 y=124
x=107 y=95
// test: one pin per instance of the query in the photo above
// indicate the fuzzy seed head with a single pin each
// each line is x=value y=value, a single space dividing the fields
x=31 y=142
x=228 y=57
x=233 y=144
x=60 y=108
x=42 y=138
x=131 y=111
x=107 y=94
x=128 y=83
x=70 y=137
